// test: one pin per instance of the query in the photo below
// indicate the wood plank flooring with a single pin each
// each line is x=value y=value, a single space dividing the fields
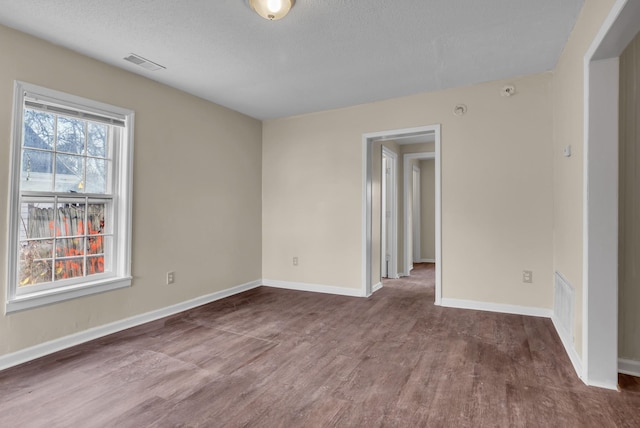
x=281 y=358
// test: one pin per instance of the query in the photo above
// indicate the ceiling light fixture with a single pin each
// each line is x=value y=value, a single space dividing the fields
x=272 y=9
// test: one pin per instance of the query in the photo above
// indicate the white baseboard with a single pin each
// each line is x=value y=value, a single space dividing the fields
x=609 y=386
x=37 y=351
x=569 y=347
x=630 y=367
x=316 y=288
x=496 y=307
x=427 y=261
x=376 y=287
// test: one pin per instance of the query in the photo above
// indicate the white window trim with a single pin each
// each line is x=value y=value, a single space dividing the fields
x=123 y=191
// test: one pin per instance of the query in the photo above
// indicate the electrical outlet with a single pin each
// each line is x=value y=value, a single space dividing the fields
x=527 y=276
x=170 y=277
x=295 y=261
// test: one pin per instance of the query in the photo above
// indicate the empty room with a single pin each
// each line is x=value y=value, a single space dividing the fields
x=281 y=213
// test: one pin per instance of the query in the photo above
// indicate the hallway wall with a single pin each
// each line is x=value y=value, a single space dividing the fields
x=427 y=210
x=629 y=208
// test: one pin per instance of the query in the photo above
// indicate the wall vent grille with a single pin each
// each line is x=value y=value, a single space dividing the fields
x=143 y=62
x=563 y=307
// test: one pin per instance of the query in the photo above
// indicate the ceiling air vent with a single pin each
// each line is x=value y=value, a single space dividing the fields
x=143 y=62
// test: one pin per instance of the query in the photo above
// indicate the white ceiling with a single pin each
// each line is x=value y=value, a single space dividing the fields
x=325 y=54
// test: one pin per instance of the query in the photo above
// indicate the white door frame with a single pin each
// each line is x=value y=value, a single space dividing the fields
x=390 y=192
x=383 y=220
x=600 y=195
x=367 y=187
x=416 y=217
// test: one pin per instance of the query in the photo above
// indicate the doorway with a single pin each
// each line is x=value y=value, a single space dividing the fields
x=413 y=248
x=372 y=224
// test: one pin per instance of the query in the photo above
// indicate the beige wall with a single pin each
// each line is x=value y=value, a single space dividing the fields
x=629 y=212
x=417 y=148
x=496 y=179
x=568 y=123
x=427 y=210
x=197 y=191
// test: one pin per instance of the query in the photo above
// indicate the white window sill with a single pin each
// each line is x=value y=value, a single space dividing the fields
x=34 y=300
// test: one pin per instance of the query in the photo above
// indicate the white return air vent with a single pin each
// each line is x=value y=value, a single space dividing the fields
x=143 y=62
x=563 y=307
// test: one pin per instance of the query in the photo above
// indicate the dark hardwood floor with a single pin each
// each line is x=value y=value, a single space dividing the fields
x=280 y=358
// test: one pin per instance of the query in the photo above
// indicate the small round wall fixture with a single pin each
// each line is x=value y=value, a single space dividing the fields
x=460 y=109
x=272 y=9
x=508 y=90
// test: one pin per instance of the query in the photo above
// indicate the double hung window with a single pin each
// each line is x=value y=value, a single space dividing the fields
x=70 y=199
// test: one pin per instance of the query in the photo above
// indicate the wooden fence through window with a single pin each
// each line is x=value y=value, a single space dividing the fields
x=75 y=240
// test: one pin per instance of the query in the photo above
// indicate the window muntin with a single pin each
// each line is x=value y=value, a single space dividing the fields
x=71 y=197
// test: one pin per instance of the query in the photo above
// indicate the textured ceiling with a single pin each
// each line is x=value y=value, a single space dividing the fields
x=325 y=54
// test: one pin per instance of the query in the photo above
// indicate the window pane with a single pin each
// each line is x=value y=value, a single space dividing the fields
x=97 y=143
x=36 y=220
x=38 y=129
x=95 y=264
x=36 y=171
x=95 y=244
x=69 y=173
x=70 y=219
x=95 y=218
x=69 y=268
x=33 y=269
x=36 y=250
x=96 y=176
x=70 y=135
x=69 y=247
x=35 y=262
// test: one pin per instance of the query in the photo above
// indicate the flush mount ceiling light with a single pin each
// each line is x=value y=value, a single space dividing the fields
x=272 y=9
